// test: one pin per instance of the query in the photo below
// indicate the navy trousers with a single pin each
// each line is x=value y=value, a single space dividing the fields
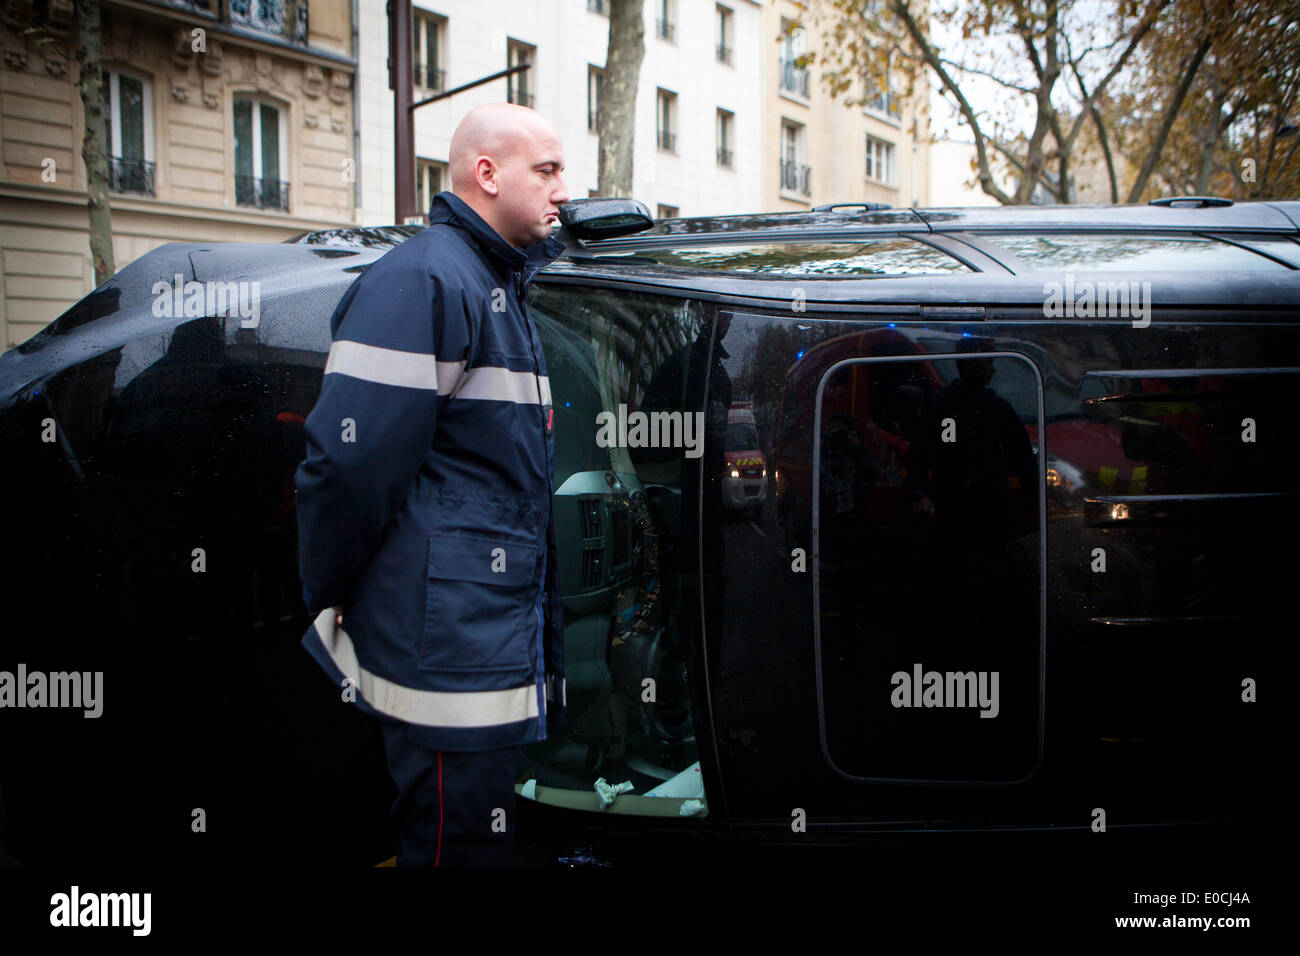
x=452 y=809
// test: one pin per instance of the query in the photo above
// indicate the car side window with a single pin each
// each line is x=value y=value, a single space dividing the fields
x=624 y=371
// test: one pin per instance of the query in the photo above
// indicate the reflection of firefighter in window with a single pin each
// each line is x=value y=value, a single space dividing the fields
x=847 y=473
x=959 y=460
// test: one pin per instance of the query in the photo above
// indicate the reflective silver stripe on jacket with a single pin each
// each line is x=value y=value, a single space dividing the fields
x=480 y=708
x=372 y=363
x=495 y=384
x=383 y=366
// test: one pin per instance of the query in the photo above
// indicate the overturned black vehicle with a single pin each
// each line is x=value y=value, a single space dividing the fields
x=1014 y=547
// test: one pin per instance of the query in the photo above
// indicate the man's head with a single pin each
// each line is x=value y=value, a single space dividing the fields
x=975 y=373
x=506 y=163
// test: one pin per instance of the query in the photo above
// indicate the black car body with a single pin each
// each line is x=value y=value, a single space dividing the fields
x=1107 y=531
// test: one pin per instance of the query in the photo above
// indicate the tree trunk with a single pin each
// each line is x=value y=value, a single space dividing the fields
x=616 y=117
x=94 y=149
x=1210 y=138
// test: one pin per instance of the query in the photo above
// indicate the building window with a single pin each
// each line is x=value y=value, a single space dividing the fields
x=665 y=116
x=265 y=15
x=519 y=87
x=594 y=74
x=881 y=100
x=725 y=121
x=794 y=174
x=128 y=115
x=260 y=155
x=667 y=212
x=430 y=174
x=664 y=20
x=426 y=52
x=599 y=6
x=724 y=35
x=880 y=160
x=794 y=44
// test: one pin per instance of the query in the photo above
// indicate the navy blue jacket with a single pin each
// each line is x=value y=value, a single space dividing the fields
x=424 y=502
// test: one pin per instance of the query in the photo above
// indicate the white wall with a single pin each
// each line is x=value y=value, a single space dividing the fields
x=568 y=37
x=950 y=170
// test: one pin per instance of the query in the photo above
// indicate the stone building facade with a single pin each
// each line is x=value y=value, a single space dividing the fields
x=229 y=120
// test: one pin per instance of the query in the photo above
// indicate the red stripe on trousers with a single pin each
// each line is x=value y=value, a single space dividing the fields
x=438 y=856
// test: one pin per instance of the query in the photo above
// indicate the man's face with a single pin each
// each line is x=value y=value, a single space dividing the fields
x=532 y=189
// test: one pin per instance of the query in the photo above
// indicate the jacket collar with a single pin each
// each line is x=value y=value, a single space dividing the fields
x=448 y=207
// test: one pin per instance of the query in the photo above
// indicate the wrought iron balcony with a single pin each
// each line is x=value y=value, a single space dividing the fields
x=794 y=79
x=598 y=6
x=262 y=193
x=724 y=54
x=724 y=157
x=282 y=18
x=522 y=97
x=664 y=29
x=667 y=140
x=794 y=177
x=428 y=77
x=130 y=176
x=593 y=119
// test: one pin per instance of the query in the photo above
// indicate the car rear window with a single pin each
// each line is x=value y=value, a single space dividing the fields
x=887 y=256
x=1131 y=252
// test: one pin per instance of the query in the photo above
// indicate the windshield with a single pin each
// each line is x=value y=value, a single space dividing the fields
x=741 y=436
x=887 y=255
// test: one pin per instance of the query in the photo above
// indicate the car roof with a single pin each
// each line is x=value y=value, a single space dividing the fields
x=1281 y=217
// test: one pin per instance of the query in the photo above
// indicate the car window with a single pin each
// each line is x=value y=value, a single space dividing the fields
x=1130 y=252
x=627 y=373
x=888 y=255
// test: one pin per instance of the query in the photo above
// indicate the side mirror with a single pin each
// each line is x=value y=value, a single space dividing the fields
x=597 y=218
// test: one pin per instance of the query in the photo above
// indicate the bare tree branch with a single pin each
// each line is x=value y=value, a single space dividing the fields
x=901 y=10
x=1168 y=122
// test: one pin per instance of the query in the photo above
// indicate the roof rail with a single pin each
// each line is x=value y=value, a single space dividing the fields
x=1200 y=201
x=866 y=206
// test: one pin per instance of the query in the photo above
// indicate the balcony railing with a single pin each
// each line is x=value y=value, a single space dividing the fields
x=428 y=77
x=130 y=176
x=794 y=79
x=262 y=193
x=667 y=140
x=598 y=6
x=724 y=54
x=593 y=119
x=794 y=177
x=522 y=97
x=664 y=29
x=724 y=157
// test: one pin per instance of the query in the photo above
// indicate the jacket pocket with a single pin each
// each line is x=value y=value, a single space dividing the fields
x=478 y=613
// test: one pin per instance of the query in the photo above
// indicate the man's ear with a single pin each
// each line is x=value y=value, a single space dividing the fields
x=487 y=181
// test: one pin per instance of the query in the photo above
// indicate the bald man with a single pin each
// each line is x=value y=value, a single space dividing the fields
x=425 y=543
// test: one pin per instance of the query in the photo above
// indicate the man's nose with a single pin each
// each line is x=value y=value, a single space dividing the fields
x=563 y=195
